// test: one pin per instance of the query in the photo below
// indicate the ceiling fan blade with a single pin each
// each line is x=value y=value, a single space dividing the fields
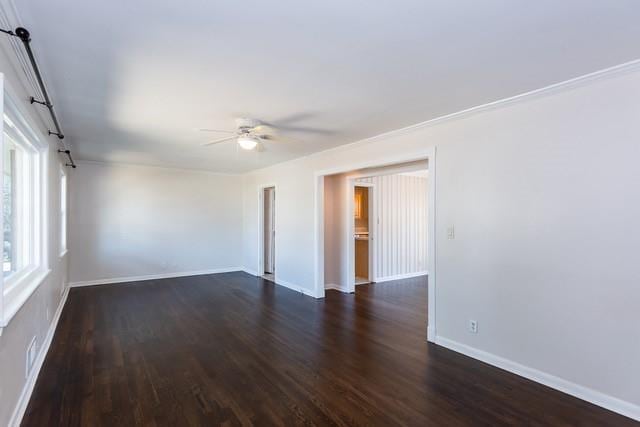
x=292 y=118
x=303 y=129
x=291 y=123
x=216 y=130
x=218 y=141
x=278 y=138
x=263 y=129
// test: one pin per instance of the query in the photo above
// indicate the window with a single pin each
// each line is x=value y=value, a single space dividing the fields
x=24 y=264
x=63 y=212
x=8 y=209
x=20 y=201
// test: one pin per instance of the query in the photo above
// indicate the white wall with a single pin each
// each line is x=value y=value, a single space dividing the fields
x=400 y=225
x=336 y=271
x=294 y=225
x=35 y=317
x=131 y=221
x=543 y=193
x=331 y=236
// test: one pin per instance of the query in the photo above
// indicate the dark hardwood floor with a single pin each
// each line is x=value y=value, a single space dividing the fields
x=232 y=349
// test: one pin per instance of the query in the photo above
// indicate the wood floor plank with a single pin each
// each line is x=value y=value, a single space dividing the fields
x=232 y=349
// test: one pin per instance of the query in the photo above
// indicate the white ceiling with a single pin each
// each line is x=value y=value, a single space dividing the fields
x=132 y=79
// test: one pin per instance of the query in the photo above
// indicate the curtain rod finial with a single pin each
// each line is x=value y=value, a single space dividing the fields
x=23 y=34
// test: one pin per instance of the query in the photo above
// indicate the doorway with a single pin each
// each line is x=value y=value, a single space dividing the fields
x=269 y=235
x=336 y=229
x=363 y=233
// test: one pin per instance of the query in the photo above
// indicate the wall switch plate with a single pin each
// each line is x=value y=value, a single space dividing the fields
x=473 y=326
x=451 y=233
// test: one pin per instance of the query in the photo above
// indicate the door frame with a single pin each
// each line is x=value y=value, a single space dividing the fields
x=351 y=245
x=260 y=269
x=428 y=154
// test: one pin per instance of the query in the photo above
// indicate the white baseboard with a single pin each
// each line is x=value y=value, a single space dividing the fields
x=294 y=287
x=400 y=276
x=431 y=334
x=25 y=396
x=611 y=403
x=249 y=271
x=336 y=287
x=284 y=283
x=153 y=277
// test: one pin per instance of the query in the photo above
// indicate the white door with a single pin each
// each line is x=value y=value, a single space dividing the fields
x=269 y=229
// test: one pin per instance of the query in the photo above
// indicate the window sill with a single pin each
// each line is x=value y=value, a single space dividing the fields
x=15 y=303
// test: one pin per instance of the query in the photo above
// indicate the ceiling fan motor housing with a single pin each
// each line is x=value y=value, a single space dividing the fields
x=246 y=124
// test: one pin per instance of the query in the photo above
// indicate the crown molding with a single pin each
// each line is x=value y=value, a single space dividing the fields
x=140 y=165
x=552 y=89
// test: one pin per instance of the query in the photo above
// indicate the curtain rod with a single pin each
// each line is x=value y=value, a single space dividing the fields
x=24 y=35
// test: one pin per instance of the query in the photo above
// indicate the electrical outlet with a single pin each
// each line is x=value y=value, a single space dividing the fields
x=30 y=357
x=473 y=326
x=451 y=233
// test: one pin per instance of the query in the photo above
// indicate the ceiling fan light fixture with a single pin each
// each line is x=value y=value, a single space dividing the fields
x=247 y=142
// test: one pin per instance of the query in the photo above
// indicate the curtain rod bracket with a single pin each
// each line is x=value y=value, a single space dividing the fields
x=68 y=153
x=32 y=100
x=59 y=135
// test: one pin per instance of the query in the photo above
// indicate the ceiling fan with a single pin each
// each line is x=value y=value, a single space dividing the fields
x=249 y=134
